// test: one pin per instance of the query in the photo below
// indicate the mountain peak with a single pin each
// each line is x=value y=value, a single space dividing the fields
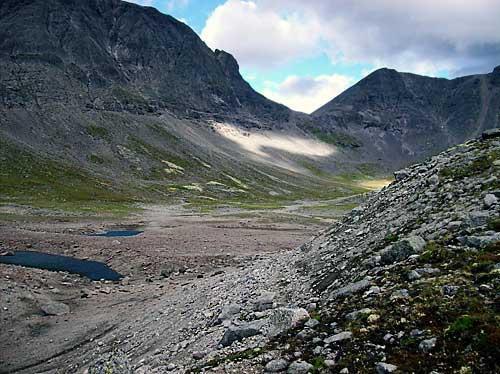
x=89 y=50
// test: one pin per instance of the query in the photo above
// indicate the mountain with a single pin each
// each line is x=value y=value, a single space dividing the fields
x=111 y=100
x=113 y=55
x=108 y=100
x=403 y=118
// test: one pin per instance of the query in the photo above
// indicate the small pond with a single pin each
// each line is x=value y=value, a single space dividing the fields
x=118 y=233
x=91 y=269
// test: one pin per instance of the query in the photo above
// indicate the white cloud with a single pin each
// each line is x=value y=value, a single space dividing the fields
x=176 y=4
x=258 y=36
x=306 y=94
x=422 y=36
x=142 y=2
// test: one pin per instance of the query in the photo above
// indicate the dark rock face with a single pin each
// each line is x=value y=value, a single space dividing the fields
x=109 y=54
x=404 y=117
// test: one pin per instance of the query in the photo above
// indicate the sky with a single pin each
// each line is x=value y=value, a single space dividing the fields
x=304 y=53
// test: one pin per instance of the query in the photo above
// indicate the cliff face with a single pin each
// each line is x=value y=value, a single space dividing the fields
x=407 y=117
x=113 y=55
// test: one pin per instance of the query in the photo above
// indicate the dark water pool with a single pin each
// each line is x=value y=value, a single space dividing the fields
x=118 y=233
x=91 y=269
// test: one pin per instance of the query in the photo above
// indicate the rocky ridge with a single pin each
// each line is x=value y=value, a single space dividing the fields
x=407 y=282
x=404 y=118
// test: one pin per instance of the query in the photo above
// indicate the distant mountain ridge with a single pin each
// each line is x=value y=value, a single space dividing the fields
x=118 y=90
x=407 y=117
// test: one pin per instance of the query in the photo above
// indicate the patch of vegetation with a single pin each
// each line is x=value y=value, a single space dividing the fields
x=475 y=167
x=162 y=131
x=128 y=96
x=337 y=138
x=96 y=159
x=369 y=169
x=494 y=224
x=434 y=253
x=391 y=238
x=139 y=146
x=46 y=183
x=462 y=324
x=232 y=357
x=318 y=363
x=98 y=132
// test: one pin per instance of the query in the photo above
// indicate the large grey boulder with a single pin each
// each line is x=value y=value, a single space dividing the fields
x=283 y=319
x=275 y=366
x=427 y=345
x=345 y=335
x=401 y=174
x=385 y=368
x=351 y=288
x=264 y=301
x=54 y=308
x=402 y=249
x=239 y=332
x=299 y=367
x=228 y=312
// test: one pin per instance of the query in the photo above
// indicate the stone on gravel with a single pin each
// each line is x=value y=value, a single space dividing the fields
x=401 y=174
x=228 y=312
x=239 y=332
x=427 y=345
x=351 y=288
x=311 y=323
x=299 y=367
x=54 y=308
x=413 y=275
x=346 y=335
x=264 y=301
x=283 y=319
x=357 y=313
x=385 y=368
x=402 y=249
x=275 y=366
x=490 y=200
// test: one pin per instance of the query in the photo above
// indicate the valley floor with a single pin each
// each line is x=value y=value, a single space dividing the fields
x=178 y=274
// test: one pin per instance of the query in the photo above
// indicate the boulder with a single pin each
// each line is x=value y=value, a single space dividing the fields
x=427 y=345
x=345 y=335
x=402 y=249
x=275 y=366
x=239 y=332
x=490 y=134
x=54 y=308
x=351 y=288
x=385 y=368
x=401 y=174
x=490 y=200
x=264 y=301
x=283 y=319
x=228 y=312
x=299 y=367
